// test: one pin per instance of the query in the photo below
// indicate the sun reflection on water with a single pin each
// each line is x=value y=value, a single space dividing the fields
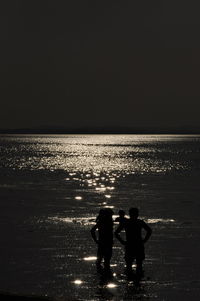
x=160 y=220
x=92 y=154
x=111 y=285
x=108 y=196
x=78 y=197
x=90 y=258
x=86 y=221
x=77 y=281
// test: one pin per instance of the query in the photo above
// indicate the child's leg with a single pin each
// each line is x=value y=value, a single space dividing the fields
x=99 y=257
x=107 y=257
x=140 y=256
x=107 y=263
x=139 y=269
x=128 y=260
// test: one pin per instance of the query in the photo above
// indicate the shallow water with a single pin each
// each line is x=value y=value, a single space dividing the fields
x=51 y=190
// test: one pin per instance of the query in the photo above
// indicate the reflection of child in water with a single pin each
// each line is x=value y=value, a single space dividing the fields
x=121 y=218
x=104 y=225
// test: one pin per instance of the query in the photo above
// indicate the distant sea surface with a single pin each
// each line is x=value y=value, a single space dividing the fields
x=52 y=187
x=120 y=154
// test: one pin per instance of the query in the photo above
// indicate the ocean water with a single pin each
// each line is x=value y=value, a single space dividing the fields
x=51 y=189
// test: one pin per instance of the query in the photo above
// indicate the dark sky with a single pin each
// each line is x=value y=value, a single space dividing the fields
x=93 y=63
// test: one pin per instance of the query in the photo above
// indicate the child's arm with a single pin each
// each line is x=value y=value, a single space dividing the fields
x=117 y=235
x=148 y=232
x=93 y=233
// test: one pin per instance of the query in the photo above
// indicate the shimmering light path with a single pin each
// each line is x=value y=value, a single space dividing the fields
x=92 y=154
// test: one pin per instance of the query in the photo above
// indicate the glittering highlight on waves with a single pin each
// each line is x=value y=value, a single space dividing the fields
x=91 y=154
x=87 y=221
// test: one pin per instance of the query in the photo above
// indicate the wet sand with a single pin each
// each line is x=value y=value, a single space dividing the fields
x=47 y=249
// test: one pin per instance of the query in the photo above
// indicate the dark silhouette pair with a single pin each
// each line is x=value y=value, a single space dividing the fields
x=134 y=242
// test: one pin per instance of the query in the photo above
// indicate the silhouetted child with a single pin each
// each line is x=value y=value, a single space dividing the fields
x=134 y=244
x=104 y=225
x=121 y=218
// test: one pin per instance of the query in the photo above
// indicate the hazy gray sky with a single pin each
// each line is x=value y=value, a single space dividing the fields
x=88 y=63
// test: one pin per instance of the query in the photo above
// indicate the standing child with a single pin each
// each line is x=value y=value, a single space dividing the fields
x=121 y=218
x=104 y=226
x=134 y=243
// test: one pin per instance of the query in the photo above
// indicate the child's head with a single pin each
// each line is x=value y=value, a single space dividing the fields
x=133 y=212
x=121 y=213
x=105 y=214
x=108 y=212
